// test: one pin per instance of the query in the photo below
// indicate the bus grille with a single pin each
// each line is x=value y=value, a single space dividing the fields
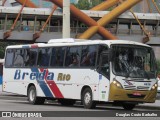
x=142 y=88
x=135 y=96
x=130 y=87
x=136 y=88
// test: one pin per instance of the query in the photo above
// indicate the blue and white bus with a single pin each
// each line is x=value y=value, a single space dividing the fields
x=120 y=72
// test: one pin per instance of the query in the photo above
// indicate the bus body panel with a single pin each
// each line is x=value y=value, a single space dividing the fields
x=70 y=88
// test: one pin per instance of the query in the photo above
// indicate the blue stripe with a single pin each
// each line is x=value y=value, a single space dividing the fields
x=43 y=85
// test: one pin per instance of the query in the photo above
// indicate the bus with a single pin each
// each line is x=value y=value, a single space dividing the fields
x=91 y=71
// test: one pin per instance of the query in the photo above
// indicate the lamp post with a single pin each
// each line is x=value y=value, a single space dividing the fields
x=66 y=18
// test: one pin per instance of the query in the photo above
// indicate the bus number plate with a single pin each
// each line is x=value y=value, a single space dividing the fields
x=137 y=94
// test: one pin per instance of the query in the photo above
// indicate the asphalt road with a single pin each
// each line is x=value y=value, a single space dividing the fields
x=20 y=103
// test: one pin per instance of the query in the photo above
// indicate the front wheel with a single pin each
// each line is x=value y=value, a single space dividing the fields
x=128 y=106
x=87 y=99
x=32 y=96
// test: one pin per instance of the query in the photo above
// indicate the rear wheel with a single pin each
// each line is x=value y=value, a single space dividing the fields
x=128 y=106
x=87 y=99
x=66 y=102
x=32 y=96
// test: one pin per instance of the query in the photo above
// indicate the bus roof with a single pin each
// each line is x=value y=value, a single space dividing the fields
x=64 y=42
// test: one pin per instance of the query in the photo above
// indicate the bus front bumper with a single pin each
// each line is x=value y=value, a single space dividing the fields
x=120 y=94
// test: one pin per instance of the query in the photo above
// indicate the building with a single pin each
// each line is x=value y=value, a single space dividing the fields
x=40 y=3
x=143 y=6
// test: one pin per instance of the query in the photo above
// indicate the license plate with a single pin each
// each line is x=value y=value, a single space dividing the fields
x=137 y=94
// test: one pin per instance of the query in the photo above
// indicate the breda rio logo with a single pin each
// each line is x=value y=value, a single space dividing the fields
x=19 y=75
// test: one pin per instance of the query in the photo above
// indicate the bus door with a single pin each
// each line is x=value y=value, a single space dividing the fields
x=104 y=77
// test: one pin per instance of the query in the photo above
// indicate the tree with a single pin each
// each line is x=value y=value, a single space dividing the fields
x=3 y=46
x=96 y=2
x=83 y=4
x=87 y=4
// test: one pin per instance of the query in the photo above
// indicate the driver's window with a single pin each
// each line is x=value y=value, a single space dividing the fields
x=104 y=65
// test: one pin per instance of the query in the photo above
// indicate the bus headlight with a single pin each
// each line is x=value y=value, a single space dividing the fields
x=116 y=83
x=154 y=86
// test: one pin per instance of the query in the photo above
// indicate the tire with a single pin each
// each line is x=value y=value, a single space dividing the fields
x=128 y=106
x=66 y=102
x=32 y=97
x=87 y=99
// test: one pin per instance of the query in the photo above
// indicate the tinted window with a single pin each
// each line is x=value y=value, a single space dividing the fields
x=73 y=56
x=44 y=56
x=88 y=56
x=57 y=56
x=18 y=58
x=9 y=57
x=104 y=66
x=101 y=49
x=30 y=57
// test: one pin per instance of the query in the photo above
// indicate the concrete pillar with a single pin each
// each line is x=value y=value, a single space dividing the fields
x=66 y=18
x=1 y=2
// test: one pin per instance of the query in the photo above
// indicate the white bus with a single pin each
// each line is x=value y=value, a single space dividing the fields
x=118 y=72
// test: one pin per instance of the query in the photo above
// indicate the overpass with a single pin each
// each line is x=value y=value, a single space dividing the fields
x=31 y=20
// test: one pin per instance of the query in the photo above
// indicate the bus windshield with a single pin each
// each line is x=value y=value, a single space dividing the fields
x=133 y=61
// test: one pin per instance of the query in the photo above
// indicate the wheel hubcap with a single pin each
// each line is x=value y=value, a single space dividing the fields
x=32 y=95
x=87 y=98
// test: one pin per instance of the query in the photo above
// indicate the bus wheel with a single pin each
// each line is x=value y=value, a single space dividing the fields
x=87 y=99
x=128 y=106
x=32 y=97
x=66 y=102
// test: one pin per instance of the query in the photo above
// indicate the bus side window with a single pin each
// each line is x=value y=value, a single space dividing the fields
x=31 y=57
x=104 y=66
x=101 y=48
x=43 y=56
x=73 y=56
x=53 y=57
x=9 y=58
x=88 y=55
x=26 y=57
x=57 y=56
x=18 y=58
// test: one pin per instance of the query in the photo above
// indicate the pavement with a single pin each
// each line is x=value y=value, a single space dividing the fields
x=155 y=106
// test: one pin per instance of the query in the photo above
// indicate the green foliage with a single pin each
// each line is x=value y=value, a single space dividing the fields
x=3 y=46
x=87 y=4
x=83 y=5
x=95 y=2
